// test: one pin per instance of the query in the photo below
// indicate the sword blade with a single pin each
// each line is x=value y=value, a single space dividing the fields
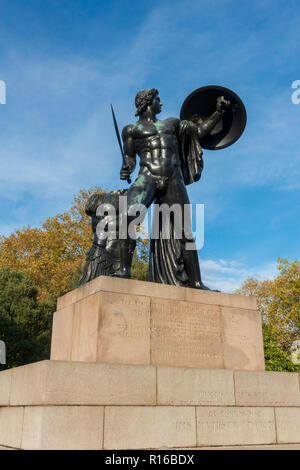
x=119 y=140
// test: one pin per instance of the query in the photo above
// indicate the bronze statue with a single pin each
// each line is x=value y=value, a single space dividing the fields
x=170 y=154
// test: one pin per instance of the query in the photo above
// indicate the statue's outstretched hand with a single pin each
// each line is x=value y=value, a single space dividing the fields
x=222 y=104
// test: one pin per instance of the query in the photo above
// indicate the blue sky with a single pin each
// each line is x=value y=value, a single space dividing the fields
x=65 y=61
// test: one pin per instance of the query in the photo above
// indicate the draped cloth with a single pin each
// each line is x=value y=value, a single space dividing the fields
x=166 y=255
x=190 y=152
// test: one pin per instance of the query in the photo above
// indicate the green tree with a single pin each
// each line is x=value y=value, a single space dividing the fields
x=54 y=255
x=279 y=302
x=25 y=322
x=275 y=358
x=140 y=262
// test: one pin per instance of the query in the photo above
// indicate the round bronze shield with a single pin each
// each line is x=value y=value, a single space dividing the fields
x=202 y=103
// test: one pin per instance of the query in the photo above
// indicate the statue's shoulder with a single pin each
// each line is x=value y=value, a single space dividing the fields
x=127 y=131
x=171 y=123
x=172 y=120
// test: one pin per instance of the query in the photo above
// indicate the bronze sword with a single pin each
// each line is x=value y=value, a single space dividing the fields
x=119 y=140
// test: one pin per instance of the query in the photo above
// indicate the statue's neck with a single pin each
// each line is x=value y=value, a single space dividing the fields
x=148 y=116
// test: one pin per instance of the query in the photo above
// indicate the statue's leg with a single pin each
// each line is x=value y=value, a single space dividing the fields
x=176 y=193
x=141 y=192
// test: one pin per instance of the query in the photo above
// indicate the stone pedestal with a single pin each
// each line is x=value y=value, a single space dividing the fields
x=79 y=405
x=136 y=365
x=133 y=322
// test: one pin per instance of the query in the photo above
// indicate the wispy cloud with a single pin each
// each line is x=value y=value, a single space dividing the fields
x=56 y=130
x=227 y=276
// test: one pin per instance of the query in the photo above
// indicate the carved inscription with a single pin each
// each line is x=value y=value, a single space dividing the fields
x=235 y=426
x=183 y=426
x=185 y=334
x=267 y=389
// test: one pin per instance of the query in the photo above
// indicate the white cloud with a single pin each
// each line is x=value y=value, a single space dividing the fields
x=227 y=276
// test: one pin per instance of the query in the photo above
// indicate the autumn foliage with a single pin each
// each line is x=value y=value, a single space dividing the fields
x=279 y=302
x=54 y=254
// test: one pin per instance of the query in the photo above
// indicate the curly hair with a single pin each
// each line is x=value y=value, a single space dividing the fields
x=143 y=99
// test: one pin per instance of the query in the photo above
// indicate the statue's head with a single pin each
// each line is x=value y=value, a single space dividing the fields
x=145 y=98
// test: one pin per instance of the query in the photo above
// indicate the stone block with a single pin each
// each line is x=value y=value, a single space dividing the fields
x=288 y=425
x=151 y=289
x=235 y=426
x=5 y=383
x=62 y=334
x=121 y=286
x=106 y=327
x=186 y=386
x=242 y=339
x=28 y=384
x=63 y=428
x=261 y=388
x=80 y=383
x=86 y=321
x=185 y=334
x=125 y=321
x=124 y=329
x=11 y=424
x=220 y=299
x=149 y=427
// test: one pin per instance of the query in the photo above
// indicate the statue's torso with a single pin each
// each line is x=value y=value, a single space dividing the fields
x=157 y=146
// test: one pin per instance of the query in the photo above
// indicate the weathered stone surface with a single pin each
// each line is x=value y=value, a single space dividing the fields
x=78 y=383
x=5 y=382
x=258 y=447
x=260 y=388
x=187 y=335
x=62 y=334
x=120 y=286
x=220 y=299
x=63 y=427
x=182 y=386
x=87 y=318
x=111 y=321
x=235 y=426
x=124 y=329
x=70 y=298
x=288 y=424
x=242 y=339
x=28 y=384
x=149 y=427
x=11 y=423
x=130 y=286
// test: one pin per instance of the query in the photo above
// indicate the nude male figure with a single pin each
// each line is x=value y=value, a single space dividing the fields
x=160 y=177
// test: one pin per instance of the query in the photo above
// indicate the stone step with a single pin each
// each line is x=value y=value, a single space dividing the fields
x=146 y=427
x=133 y=322
x=82 y=383
x=77 y=405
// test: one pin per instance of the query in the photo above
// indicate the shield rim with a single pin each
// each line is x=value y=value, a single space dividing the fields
x=228 y=91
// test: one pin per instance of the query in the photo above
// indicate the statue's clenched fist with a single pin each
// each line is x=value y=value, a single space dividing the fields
x=222 y=104
x=125 y=173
